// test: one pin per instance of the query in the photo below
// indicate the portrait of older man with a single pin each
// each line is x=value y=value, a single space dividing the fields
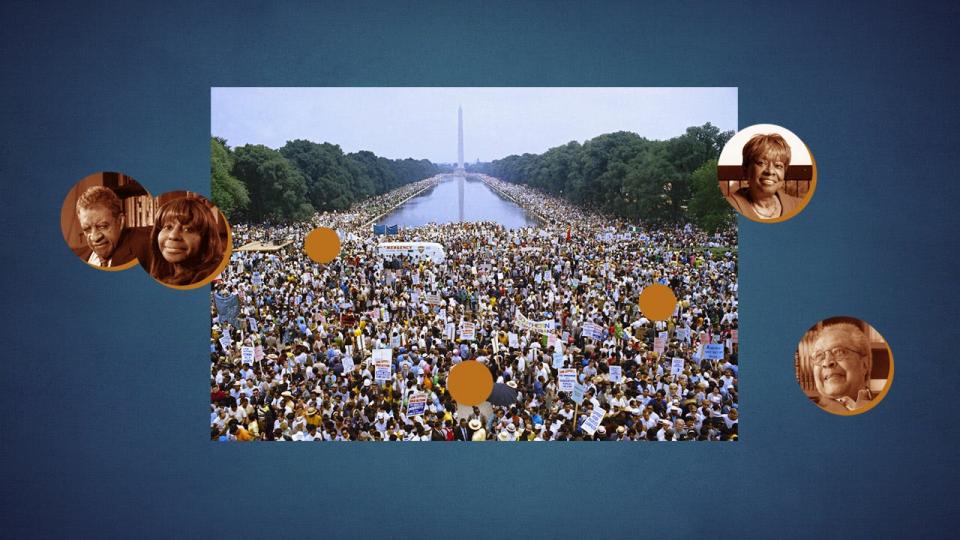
x=842 y=362
x=109 y=244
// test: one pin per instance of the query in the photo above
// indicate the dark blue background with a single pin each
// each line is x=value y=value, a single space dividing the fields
x=104 y=376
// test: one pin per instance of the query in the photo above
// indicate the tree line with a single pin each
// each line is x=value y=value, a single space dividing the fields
x=630 y=176
x=255 y=183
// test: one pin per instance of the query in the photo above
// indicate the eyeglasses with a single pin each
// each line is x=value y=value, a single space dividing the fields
x=836 y=353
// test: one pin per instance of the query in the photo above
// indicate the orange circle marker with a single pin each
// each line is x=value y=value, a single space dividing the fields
x=322 y=245
x=470 y=383
x=657 y=302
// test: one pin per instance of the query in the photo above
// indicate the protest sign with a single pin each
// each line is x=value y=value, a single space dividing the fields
x=383 y=364
x=676 y=367
x=246 y=354
x=513 y=340
x=591 y=424
x=525 y=324
x=735 y=335
x=578 y=391
x=258 y=353
x=468 y=331
x=713 y=351
x=593 y=331
x=256 y=279
x=616 y=374
x=348 y=364
x=557 y=360
x=433 y=299
x=225 y=342
x=567 y=378
x=417 y=404
x=228 y=307
x=659 y=345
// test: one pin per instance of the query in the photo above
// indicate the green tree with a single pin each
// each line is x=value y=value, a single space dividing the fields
x=227 y=192
x=708 y=209
x=277 y=189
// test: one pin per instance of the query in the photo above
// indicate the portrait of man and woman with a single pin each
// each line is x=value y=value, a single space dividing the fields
x=112 y=223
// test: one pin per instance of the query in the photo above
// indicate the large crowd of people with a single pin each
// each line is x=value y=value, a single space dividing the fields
x=296 y=362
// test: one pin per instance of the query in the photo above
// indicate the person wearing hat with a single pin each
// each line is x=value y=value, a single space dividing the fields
x=477 y=432
x=313 y=416
x=266 y=418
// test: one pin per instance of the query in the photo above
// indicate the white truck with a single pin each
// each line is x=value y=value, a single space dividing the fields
x=412 y=250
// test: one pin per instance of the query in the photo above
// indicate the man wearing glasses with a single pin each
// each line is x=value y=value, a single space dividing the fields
x=109 y=243
x=841 y=368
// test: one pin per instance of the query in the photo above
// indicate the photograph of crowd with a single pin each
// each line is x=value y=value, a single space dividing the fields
x=361 y=348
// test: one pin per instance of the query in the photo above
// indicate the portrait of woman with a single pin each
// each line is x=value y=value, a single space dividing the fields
x=186 y=245
x=766 y=158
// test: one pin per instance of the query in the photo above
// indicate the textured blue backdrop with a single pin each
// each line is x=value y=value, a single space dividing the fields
x=104 y=376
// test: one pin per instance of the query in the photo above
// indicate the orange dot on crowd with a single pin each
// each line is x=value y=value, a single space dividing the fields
x=657 y=302
x=322 y=245
x=470 y=383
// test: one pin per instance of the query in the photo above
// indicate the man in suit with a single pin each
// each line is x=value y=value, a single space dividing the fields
x=109 y=243
x=462 y=433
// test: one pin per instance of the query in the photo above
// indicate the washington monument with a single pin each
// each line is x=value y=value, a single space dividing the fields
x=460 y=168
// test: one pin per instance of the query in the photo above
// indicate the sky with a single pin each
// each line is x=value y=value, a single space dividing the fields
x=422 y=122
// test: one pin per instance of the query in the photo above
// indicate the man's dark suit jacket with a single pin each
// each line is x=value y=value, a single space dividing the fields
x=134 y=244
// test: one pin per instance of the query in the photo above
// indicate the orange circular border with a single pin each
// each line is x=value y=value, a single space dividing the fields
x=227 y=252
x=125 y=266
x=886 y=387
x=803 y=202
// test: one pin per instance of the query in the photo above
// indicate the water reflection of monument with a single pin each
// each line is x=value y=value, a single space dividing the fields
x=460 y=172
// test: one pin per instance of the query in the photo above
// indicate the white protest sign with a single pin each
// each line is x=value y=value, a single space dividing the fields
x=433 y=299
x=659 y=345
x=713 y=351
x=663 y=335
x=468 y=331
x=256 y=279
x=417 y=404
x=246 y=354
x=383 y=364
x=676 y=367
x=258 y=353
x=557 y=360
x=568 y=377
x=578 y=391
x=591 y=424
x=616 y=374
x=348 y=364
x=254 y=327
x=513 y=340
x=225 y=342
x=593 y=330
